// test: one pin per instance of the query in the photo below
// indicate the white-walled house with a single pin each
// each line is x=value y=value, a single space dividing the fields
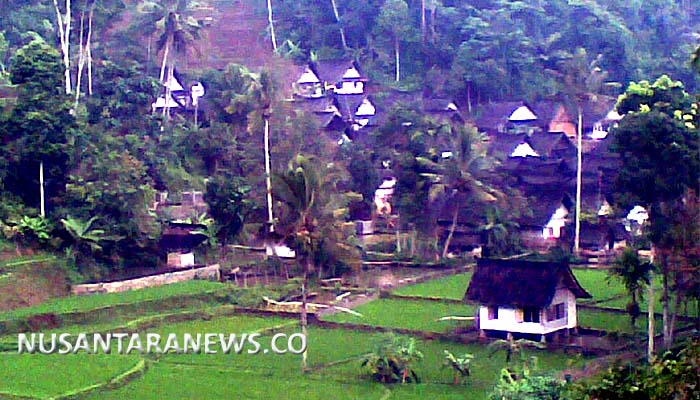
x=524 y=297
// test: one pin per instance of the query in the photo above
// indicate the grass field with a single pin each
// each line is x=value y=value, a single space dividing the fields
x=267 y=376
x=450 y=287
x=90 y=302
x=51 y=375
x=596 y=283
x=613 y=322
x=408 y=314
x=334 y=354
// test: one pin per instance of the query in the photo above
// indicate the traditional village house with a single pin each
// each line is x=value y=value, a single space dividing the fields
x=544 y=225
x=513 y=117
x=442 y=110
x=341 y=76
x=383 y=195
x=308 y=85
x=176 y=99
x=358 y=111
x=324 y=110
x=598 y=116
x=524 y=298
x=179 y=240
x=178 y=96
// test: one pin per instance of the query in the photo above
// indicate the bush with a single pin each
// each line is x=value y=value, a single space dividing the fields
x=527 y=387
x=392 y=360
x=673 y=376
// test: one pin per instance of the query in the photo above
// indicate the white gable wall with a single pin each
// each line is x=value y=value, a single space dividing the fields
x=522 y=113
x=351 y=73
x=510 y=318
x=524 y=150
x=350 y=87
x=366 y=108
x=308 y=77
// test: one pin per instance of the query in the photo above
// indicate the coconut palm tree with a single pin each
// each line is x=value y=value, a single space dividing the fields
x=298 y=188
x=172 y=22
x=461 y=179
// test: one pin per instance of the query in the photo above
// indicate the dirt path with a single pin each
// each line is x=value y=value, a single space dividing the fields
x=352 y=302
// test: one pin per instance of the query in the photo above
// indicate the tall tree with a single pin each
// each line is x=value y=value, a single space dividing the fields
x=40 y=126
x=463 y=178
x=658 y=146
x=395 y=23
x=299 y=188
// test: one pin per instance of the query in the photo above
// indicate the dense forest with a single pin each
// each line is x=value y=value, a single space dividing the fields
x=78 y=80
x=492 y=50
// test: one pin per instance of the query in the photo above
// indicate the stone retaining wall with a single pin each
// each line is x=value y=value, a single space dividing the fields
x=211 y=272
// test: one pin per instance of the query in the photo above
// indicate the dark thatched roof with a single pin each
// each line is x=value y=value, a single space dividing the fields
x=320 y=105
x=348 y=104
x=490 y=115
x=502 y=145
x=183 y=236
x=520 y=283
x=332 y=71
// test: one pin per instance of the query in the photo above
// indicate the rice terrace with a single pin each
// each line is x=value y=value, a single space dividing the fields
x=337 y=343
x=336 y=199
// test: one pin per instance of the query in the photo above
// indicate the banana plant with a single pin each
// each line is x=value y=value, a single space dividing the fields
x=461 y=366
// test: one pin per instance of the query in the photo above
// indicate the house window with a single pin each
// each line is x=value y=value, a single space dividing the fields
x=556 y=312
x=493 y=312
x=531 y=314
x=560 y=310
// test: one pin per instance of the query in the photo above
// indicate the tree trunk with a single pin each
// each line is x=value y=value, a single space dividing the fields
x=165 y=59
x=577 y=230
x=88 y=49
x=674 y=318
x=272 y=26
x=304 y=315
x=665 y=301
x=41 y=190
x=81 y=61
x=469 y=97
x=452 y=231
x=633 y=315
x=63 y=23
x=168 y=89
x=396 y=50
x=650 y=316
x=268 y=176
x=433 y=20
x=422 y=19
x=340 y=27
x=148 y=53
